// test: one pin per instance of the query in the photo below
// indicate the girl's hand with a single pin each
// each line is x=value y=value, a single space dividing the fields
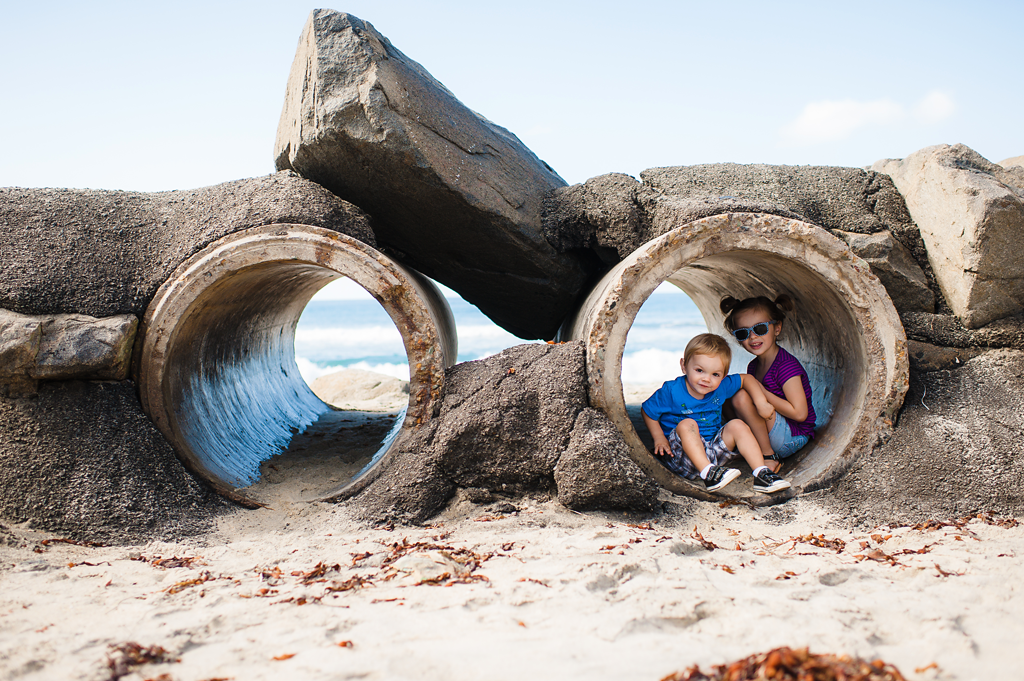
x=764 y=409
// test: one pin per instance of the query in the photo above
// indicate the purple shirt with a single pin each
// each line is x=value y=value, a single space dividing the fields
x=785 y=367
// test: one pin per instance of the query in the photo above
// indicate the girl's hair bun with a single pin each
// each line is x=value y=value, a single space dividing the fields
x=728 y=304
x=785 y=302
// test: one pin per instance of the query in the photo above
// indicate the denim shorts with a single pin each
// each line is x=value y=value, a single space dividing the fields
x=783 y=442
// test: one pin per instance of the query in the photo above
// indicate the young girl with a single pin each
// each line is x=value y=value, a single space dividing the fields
x=757 y=323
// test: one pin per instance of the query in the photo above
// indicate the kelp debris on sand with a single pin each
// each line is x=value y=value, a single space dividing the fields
x=786 y=664
x=123 y=658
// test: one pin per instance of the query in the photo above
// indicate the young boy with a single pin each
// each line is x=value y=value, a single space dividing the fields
x=685 y=419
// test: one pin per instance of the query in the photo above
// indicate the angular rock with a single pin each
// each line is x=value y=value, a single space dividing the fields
x=503 y=423
x=956 y=449
x=602 y=214
x=64 y=347
x=105 y=253
x=506 y=419
x=1012 y=161
x=452 y=194
x=895 y=267
x=595 y=471
x=20 y=337
x=972 y=223
x=82 y=347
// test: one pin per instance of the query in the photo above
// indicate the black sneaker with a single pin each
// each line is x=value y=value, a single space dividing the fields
x=767 y=481
x=720 y=477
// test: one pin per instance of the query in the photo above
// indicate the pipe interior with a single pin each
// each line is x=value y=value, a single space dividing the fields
x=238 y=396
x=821 y=332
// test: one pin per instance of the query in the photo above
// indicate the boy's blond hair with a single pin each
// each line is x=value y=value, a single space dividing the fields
x=711 y=345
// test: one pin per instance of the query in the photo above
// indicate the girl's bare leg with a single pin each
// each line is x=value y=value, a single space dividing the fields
x=737 y=436
x=759 y=427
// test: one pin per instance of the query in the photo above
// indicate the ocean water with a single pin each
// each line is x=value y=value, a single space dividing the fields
x=349 y=330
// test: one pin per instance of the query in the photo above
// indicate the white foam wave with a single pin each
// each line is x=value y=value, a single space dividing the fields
x=650 y=366
x=310 y=371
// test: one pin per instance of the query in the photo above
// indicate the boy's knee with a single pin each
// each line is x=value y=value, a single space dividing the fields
x=687 y=427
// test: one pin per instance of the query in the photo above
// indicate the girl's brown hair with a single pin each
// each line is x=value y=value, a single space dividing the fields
x=775 y=309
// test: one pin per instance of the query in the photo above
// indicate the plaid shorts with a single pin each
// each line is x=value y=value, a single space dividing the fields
x=680 y=464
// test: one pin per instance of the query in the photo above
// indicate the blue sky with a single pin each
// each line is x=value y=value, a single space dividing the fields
x=158 y=96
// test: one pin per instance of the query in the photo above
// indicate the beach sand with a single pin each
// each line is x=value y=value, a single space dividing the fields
x=515 y=589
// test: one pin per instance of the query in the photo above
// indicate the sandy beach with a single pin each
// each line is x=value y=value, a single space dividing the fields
x=514 y=589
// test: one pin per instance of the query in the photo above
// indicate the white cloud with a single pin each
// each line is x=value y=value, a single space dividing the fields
x=830 y=121
x=936 y=106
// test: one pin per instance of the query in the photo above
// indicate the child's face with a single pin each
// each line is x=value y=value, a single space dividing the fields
x=757 y=345
x=703 y=374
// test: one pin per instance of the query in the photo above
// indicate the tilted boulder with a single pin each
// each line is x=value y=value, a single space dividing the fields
x=895 y=267
x=451 y=194
x=971 y=217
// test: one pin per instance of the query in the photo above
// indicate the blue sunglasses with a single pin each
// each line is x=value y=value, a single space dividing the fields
x=759 y=329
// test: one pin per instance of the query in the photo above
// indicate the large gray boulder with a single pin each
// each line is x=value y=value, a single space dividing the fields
x=971 y=216
x=613 y=215
x=451 y=194
x=511 y=424
x=956 y=450
x=105 y=253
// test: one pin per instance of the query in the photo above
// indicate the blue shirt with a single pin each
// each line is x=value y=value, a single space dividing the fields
x=673 y=402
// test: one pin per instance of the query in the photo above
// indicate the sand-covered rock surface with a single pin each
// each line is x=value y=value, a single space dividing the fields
x=503 y=589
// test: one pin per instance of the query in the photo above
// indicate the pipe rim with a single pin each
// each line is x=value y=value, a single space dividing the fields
x=413 y=303
x=617 y=298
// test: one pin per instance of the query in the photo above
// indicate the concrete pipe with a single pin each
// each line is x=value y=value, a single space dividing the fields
x=215 y=360
x=845 y=331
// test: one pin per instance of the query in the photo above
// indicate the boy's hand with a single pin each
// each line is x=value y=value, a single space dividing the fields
x=764 y=409
x=662 y=448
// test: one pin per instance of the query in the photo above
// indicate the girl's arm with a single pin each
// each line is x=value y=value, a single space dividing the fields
x=661 y=447
x=759 y=395
x=794 y=407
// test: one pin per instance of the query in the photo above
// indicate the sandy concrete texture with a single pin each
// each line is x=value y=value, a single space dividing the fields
x=104 y=253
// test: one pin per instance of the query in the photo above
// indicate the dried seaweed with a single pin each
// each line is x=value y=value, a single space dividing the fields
x=316 y=574
x=76 y=542
x=203 y=577
x=786 y=664
x=172 y=562
x=709 y=545
x=123 y=658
